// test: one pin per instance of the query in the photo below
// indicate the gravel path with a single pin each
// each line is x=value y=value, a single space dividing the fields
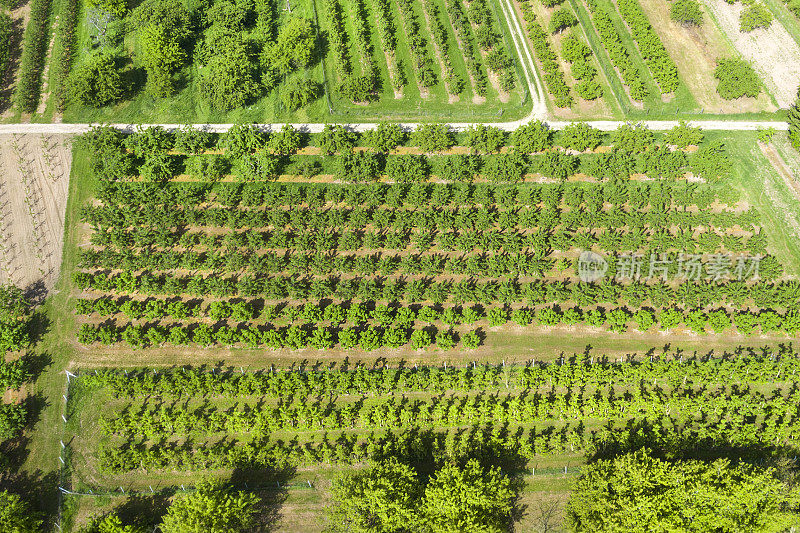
x=773 y=52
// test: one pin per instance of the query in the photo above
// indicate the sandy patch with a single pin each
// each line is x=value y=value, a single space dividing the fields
x=773 y=52
x=34 y=179
x=695 y=52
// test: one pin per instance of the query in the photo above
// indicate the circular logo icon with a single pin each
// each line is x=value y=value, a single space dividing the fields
x=591 y=266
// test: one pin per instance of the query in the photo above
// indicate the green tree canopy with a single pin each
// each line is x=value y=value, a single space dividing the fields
x=794 y=123
x=293 y=48
x=211 y=509
x=380 y=498
x=467 y=499
x=686 y=12
x=16 y=515
x=96 y=81
x=637 y=492
x=109 y=523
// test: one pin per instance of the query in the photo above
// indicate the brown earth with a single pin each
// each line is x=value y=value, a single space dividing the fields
x=34 y=178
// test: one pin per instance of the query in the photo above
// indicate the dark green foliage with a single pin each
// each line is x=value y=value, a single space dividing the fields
x=229 y=79
x=794 y=124
x=335 y=139
x=737 y=78
x=96 y=81
x=562 y=19
x=356 y=166
x=686 y=12
x=299 y=92
x=407 y=168
x=652 y=49
x=506 y=168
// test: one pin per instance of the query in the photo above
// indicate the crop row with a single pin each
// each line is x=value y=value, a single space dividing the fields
x=763 y=294
x=295 y=337
x=652 y=49
x=514 y=241
x=471 y=221
x=418 y=196
x=718 y=422
x=417 y=44
x=463 y=33
x=553 y=75
x=455 y=84
x=618 y=52
x=496 y=57
x=447 y=411
x=376 y=377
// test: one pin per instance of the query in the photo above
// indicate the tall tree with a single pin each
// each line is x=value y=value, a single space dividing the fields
x=467 y=499
x=16 y=515
x=637 y=492
x=381 y=498
x=211 y=509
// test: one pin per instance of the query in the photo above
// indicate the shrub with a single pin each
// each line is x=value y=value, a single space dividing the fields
x=562 y=19
x=736 y=79
x=686 y=12
x=299 y=92
x=755 y=16
x=533 y=137
x=385 y=137
x=794 y=124
x=433 y=137
x=357 y=166
x=407 y=168
x=589 y=89
x=573 y=49
x=580 y=136
x=682 y=135
x=96 y=82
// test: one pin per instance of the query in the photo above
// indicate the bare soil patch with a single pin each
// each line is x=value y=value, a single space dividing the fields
x=34 y=178
x=773 y=52
x=695 y=52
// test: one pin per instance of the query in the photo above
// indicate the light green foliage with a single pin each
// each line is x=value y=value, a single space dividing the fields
x=682 y=135
x=381 y=498
x=14 y=317
x=385 y=137
x=794 y=124
x=228 y=79
x=630 y=138
x=458 y=168
x=407 y=168
x=211 y=509
x=637 y=492
x=294 y=47
x=533 y=137
x=96 y=81
x=485 y=139
x=432 y=137
x=573 y=49
x=507 y=168
x=117 y=7
x=110 y=523
x=755 y=16
x=205 y=167
x=161 y=56
x=765 y=135
x=356 y=166
x=467 y=499
x=286 y=141
x=242 y=139
x=16 y=515
x=686 y=12
x=580 y=136
x=299 y=92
